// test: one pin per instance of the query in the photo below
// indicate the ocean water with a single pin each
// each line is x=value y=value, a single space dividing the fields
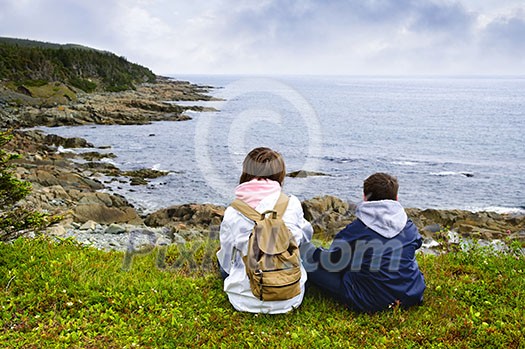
x=451 y=142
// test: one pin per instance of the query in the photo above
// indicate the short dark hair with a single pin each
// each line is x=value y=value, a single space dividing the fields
x=263 y=163
x=380 y=186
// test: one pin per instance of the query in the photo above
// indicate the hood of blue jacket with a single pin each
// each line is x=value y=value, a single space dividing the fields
x=385 y=217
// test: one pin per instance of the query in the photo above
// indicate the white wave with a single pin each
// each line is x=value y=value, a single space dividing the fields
x=61 y=150
x=452 y=173
x=500 y=209
x=404 y=163
x=191 y=112
x=338 y=160
x=108 y=160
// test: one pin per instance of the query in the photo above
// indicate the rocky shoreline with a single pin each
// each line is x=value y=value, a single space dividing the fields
x=95 y=216
x=148 y=102
x=74 y=185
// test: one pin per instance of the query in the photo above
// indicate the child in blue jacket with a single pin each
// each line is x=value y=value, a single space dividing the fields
x=371 y=263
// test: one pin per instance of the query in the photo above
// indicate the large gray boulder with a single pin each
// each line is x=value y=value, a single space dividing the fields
x=328 y=214
x=105 y=215
x=188 y=216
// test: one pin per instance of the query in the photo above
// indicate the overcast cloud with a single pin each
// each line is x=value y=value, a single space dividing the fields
x=391 y=37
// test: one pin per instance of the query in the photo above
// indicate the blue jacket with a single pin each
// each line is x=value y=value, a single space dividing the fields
x=376 y=253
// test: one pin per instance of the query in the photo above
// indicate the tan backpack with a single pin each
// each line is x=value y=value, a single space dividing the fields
x=273 y=262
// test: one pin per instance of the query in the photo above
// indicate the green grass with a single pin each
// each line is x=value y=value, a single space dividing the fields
x=60 y=294
x=51 y=91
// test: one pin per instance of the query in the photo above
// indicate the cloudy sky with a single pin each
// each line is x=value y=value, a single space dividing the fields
x=393 y=37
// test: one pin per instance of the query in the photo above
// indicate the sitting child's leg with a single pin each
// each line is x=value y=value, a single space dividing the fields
x=328 y=281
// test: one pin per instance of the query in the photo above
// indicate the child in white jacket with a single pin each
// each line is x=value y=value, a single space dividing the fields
x=259 y=186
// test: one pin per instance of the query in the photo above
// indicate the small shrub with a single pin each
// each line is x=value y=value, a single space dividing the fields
x=83 y=84
x=34 y=83
x=14 y=218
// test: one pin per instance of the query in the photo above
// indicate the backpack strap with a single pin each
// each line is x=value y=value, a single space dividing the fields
x=281 y=205
x=248 y=211
x=251 y=213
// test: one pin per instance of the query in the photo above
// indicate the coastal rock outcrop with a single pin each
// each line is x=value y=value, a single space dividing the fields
x=304 y=174
x=483 y=225
x=328 y=214
x=61 y=187
x=104 y=214
x=138 y=177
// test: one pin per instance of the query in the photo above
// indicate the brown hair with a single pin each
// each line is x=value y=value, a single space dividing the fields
x=380 y=186
x=263 y=163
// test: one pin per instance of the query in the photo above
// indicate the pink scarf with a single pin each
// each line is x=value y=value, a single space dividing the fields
x=254 y=191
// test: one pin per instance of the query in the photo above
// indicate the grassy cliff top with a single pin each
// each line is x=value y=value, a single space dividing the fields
x=65 y=295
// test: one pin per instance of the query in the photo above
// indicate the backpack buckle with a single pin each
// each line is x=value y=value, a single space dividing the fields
x=272 y=212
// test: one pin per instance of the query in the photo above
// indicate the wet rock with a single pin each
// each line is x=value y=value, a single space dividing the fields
x=138 y=181
x=145 y=173
x=73 y=142
x=304 y=174
x=101 y=167
x=138 y=177
x=94 y=156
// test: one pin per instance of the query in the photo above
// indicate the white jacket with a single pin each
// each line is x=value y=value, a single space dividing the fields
x=234 y=234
